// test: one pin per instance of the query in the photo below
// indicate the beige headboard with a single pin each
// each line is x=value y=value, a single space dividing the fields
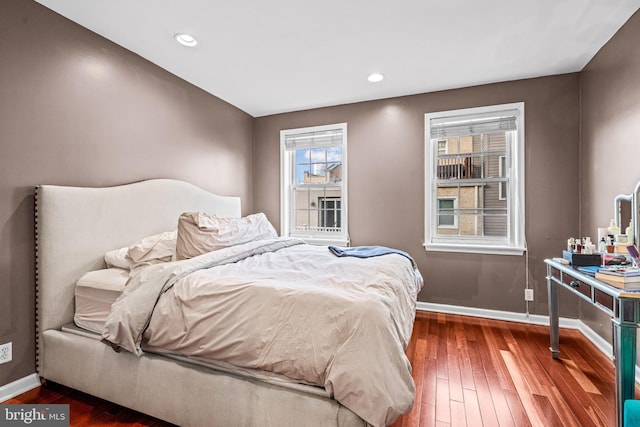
x=76 y=226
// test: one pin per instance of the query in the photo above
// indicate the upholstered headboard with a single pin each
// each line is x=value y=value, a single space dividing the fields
x=76 y=226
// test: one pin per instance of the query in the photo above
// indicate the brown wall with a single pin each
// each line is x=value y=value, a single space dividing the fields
x=386 y=139
x=76 y=109
x=610 y=135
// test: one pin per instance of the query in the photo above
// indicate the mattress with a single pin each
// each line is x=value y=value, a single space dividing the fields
x=94 y=293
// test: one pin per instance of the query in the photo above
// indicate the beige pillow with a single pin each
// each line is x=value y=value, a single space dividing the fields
x=117 y=258
x=152 y=250
x=201 y=232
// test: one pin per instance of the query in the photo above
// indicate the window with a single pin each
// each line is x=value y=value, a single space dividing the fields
x=330 y=212
x=474 y=161
x=446 y=212
x=442 y=147
x=314 y=184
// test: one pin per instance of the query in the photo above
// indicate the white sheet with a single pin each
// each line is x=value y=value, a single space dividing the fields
x=94 y=293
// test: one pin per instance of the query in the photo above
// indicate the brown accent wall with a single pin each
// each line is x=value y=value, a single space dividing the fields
x=76 y=109
x=386 y=185
x=610 y=136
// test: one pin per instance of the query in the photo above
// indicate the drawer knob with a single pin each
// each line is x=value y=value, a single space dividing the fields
x=574 y=284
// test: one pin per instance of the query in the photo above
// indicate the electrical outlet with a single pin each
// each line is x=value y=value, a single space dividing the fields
x=528 y=294
x=5 y=353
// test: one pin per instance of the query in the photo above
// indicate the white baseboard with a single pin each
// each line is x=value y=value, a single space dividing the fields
x=19 y=386
x=601 y=344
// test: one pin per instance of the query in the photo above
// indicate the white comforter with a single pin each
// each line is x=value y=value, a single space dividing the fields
x=285 y=307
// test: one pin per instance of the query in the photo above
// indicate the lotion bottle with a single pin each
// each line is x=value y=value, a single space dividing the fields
x=629 y=233
x=613 y=228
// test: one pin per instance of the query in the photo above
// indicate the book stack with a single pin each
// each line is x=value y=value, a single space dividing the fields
x=621 y=277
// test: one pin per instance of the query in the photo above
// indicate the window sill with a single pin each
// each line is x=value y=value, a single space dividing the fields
x=476 y=249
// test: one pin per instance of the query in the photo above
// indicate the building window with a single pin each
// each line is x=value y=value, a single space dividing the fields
x=474 y=161
x=446 y=212
x=314 y=184
x=330 y=212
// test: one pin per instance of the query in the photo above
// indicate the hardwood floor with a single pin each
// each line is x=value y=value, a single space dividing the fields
x=477 y=372
x=468 y=372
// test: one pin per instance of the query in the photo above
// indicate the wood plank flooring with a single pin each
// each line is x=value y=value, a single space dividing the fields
x=477 y=372
x=468 y=372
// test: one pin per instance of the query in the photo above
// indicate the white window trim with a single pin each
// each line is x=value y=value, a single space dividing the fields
x=286 y=179
x=515 y=244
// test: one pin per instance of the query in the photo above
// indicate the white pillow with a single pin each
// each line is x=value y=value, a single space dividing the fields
x=152 y=250
x=201 y=232
x=117 y=258
x=148 y=251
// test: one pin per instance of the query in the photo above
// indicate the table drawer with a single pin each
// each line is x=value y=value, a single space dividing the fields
x=577 y=285
x=605 y=300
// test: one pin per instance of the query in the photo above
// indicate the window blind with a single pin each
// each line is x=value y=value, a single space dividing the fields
x=473 y=124
x=330 y=138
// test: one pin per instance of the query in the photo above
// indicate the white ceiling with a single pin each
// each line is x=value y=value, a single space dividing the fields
x=268 y=57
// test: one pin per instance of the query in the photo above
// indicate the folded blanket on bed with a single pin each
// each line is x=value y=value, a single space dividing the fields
x=369 y=251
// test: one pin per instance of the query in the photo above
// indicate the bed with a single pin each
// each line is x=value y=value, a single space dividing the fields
x=121 y=341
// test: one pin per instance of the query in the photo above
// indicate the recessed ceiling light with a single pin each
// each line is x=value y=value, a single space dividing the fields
x=375 y=77
x=185 y=39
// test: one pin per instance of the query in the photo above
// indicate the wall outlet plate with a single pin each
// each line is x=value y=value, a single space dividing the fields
x=5 y=353
x=528 y=294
